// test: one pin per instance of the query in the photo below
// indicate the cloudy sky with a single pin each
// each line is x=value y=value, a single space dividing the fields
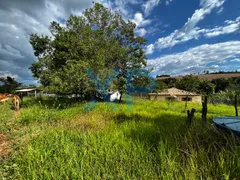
x=184 y=36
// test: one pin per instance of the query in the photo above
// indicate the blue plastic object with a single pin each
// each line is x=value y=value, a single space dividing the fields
x=231 y=123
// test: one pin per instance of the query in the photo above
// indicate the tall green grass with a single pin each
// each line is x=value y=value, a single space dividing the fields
x=5 y=115
x=49 y=110
x=150 y=141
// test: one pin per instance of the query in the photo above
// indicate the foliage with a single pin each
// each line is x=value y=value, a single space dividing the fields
x=99 y=41
x=221 y=84
x=170 y=82
x=139 y=81
x=206 y=87
x=189 y=83
x=161 y=85
x=234 y=86
x=8 y=84
x=222 y=97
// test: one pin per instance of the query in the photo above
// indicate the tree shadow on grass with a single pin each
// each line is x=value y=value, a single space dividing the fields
x=172 y=128
x=152 y=130
x=167 y=134
x=160 y=120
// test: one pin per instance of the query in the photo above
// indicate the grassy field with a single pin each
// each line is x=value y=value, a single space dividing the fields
x=59 y=139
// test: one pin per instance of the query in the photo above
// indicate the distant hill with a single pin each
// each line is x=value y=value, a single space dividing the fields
x=206 y=76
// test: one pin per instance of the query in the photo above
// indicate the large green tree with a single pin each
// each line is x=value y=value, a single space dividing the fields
x=97 y=42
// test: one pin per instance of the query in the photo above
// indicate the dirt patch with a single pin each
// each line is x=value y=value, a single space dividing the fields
x=86 y=122
x=5 y=150
x=16 y=113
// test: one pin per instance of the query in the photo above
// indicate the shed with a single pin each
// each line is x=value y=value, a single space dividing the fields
x=176 y=94
x=27 y=91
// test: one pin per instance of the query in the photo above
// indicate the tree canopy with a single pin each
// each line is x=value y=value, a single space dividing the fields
x=8 y=84
x=189 y=83
x=95 y=44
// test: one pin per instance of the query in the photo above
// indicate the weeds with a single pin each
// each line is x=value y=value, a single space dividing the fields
x=111 y=142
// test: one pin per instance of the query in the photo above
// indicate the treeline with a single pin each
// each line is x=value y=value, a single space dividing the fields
x=223 y=72
x=8 y=84
x=204 y=72
x=219 y=85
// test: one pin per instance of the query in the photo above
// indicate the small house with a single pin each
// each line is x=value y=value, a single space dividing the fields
x=176 y=94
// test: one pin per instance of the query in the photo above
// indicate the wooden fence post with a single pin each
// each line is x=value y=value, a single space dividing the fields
x=204 y=109
x=190 y=116
x=236 y=104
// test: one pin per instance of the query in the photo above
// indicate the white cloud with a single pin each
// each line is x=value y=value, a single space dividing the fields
x=197 y=59
x=155 y=28
x=150 y=4
x=122 y=6
x=231 y=27
x=168 y=2
x=149 y=49
x=206 y=8
x=141 y=31
x=235 y=60
x=214 y=66
x=220 y=10
x=140 y=21
x=189 y=30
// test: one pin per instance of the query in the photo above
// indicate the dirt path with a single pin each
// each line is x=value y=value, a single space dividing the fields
x=16 y=114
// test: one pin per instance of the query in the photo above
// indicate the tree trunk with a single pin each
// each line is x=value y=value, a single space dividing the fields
x=190 y=116
x=236 y=104
x=120 y=100
x=204 y=109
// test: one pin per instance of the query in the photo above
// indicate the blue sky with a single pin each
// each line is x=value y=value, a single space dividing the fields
x=187 y=36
